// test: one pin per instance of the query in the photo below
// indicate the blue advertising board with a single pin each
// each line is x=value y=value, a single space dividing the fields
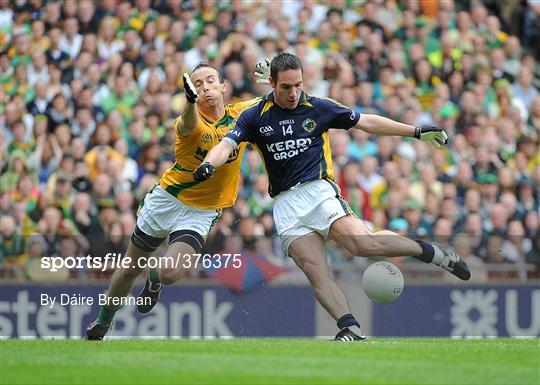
x=461 y=311
x=26 y=311
x=183 y=311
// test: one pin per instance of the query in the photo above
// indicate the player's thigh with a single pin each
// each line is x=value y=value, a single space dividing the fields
x=179 y=250
x=161 y=215
x=143 y=242
x=158 y=214
x=179 y=258
x=309 y=253
x=183 y=253
x=350 y=232
x=136 y=254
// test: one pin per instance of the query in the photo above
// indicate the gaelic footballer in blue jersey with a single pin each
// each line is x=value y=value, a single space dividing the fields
x=294 y=144
x=290 y=131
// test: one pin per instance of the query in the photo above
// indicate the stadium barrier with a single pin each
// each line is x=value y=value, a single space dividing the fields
x=210 y=311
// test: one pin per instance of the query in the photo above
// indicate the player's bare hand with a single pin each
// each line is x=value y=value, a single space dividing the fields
x=262 y=71
x=432 y=134
x=203 y=172
x=189 y=88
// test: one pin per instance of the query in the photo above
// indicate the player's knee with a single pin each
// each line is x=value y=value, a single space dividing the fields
x=169 y=276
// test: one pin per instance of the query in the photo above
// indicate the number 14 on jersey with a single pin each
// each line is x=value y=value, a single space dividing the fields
x=287 y=130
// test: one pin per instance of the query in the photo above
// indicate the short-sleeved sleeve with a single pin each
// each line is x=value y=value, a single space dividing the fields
x=242 y=128
x=339 y=115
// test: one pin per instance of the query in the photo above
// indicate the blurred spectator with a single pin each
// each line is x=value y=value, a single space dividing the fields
x=107 y=43
x=516 y=247
x=464 y=247
x=97 y=157
x=58 y=112
x=38 y=106
x=38 y=70
x=151 y=63
x=260 y=201
x=12 y=250
x=523 y=88
x=36 y=249
x=368 y=178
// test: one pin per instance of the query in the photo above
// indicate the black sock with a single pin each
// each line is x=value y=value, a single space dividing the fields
x=346 y=321
x=427 y=252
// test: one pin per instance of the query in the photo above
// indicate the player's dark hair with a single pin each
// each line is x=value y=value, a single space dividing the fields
x=205 y=64
x=283 y=62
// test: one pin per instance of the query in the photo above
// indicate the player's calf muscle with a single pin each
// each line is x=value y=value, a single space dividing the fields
x=314 y=271
x=366 y=245
x=131 y=272
x=136 y=256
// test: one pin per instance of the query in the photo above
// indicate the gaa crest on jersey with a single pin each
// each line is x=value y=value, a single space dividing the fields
x=309 y=125
x=206 y=138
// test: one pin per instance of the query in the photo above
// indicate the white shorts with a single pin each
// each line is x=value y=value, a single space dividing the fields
x=312 y=206
x=162 y=214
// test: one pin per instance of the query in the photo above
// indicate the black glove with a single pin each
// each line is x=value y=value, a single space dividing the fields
x=432 y=134
x=189 y=88
x=203 y=172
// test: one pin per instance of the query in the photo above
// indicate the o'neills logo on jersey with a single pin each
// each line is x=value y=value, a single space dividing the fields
x=288 y=148
x=206 y=137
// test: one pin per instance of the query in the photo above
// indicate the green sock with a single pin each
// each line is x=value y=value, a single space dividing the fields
x=106 y=314
x=153 y=277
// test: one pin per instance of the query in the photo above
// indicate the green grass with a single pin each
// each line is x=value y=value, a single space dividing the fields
x=271 y=361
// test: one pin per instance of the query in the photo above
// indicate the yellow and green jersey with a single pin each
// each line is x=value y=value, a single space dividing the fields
x=221 y=190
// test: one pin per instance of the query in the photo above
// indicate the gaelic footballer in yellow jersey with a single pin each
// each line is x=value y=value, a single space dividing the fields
x=179 y=208
x=189 y=151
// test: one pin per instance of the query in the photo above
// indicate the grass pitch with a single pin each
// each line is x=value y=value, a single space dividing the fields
x=271 y=361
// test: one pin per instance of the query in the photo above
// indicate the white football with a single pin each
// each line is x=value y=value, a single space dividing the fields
x=383 y=282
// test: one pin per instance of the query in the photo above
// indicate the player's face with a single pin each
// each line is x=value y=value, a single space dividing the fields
x=210 y=90
x=287 y=88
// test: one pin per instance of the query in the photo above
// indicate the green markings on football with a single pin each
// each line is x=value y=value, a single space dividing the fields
x=271 y=361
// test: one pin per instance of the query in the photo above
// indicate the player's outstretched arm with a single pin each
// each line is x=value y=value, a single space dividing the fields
x=379 y=125
x=216 y=157
x=189 y=120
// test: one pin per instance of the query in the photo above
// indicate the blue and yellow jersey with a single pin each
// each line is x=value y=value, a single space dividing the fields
x=189 y=151
x=293 y=144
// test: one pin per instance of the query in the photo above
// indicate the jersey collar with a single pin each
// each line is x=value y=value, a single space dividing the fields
x=211 y=121
x=270 y=97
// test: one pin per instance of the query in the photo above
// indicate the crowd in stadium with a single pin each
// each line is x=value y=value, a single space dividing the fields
x=89 y=90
